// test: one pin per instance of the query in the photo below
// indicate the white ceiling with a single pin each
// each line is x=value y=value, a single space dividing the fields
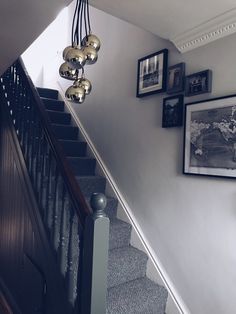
x=174 y=19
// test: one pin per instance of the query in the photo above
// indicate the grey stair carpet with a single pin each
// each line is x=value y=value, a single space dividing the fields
x=129 y=290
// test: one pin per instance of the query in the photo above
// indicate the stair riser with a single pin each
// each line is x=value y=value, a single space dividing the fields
x=59 y=118
x=90 y=185
x=119 y=237
x=53 y=105
x=125 y=268
x=66 y=133
x=111 y=208
x=47 y=93
x=83 y=167
x=74 y=149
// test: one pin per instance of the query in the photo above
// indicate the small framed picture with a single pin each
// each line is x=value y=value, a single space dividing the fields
x=152 y=72
x=175 y=78
x=210 y=137
x=198 y=83
x=172 y=113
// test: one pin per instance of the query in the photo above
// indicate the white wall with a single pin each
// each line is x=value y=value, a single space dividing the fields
x=43 y=58
x=190 y=222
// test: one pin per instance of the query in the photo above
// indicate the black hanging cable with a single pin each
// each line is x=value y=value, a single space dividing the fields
x=81 y=22
x=77 y=23
x=73 y=24
x=85 y=19
x=88 y=16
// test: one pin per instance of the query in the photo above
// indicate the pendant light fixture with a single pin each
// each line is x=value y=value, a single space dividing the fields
x=83 y=51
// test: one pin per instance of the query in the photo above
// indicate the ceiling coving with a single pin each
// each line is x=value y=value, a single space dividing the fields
x=187 y=24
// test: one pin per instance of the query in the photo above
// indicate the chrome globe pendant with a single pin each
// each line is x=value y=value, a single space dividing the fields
x=83 y=51
x=90 y=54
x=65 y=52
x=75 y=93
x=86 y=85
x=75 y=58
x=67 y=73
x=91 y=41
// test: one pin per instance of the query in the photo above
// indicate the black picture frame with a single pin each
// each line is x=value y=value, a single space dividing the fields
x=152 y=73
x=198 y=83
x=210 y=137
x=176 y=78
x=172 y=112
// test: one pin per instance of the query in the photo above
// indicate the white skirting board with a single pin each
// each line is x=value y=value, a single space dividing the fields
x=175 y=304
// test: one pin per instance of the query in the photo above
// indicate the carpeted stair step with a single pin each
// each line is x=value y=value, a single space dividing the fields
x=74 y=148
x=58 y=117
x=91 y=184
x=141 y=296
x=125 y=264
x=52 y=104
x=47 y=92
x=120 y=233
x=82 y=166
x=65 y=132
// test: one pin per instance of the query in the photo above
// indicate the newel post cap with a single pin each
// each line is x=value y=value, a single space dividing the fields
x=98 y=202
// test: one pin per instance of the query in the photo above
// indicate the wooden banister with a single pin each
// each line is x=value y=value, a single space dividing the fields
x=72 y=185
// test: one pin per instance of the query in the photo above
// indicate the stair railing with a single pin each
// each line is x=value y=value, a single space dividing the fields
x=79 y=236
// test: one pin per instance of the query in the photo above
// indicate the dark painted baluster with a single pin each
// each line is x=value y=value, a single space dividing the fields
x=42 y=168
x=29 y=129
x=48 y=192
x=37 y=156
x=32 y=136
x=63 y=244
x=55 y=222
x=72 y=246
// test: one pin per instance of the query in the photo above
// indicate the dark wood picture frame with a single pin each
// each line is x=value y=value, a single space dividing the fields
x=172 y=113
x=152 y=73
x=198 y=83
x=210 y=137
x=176 y=78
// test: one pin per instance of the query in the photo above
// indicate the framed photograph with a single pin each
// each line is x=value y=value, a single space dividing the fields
x=198 y=83
x=172 y=113
x=152 y=72
x=210 y=137
x=175 y=78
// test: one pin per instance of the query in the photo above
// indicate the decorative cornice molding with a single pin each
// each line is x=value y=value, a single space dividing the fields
x=216 y=28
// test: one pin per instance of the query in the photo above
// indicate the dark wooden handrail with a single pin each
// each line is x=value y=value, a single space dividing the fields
x=76 y=196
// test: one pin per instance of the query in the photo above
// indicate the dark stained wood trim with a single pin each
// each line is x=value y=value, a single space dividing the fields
x=54 y=279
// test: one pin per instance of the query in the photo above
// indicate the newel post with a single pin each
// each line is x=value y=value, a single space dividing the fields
x=95 y=258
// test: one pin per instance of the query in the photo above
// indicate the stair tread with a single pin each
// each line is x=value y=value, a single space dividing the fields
x=140 y=296
x=64 y=126
x=73 y=141
x=80 y=158
x=125 y=264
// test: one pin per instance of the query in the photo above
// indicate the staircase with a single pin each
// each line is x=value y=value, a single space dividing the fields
x=129 y=290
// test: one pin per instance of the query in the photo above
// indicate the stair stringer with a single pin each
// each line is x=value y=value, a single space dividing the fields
x=155 y=269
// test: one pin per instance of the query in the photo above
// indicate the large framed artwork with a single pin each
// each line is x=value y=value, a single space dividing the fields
x=152 y=72
x=210 y=137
